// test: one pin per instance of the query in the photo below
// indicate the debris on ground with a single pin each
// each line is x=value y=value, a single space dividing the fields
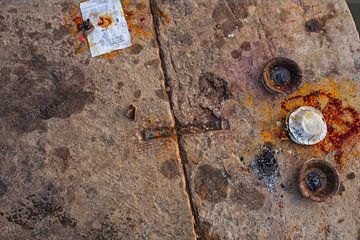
x=130 y=112
x=267 y=167
x=306 y=125
x=111 y=31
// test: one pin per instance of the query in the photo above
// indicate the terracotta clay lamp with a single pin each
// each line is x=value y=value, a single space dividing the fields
x=318 y=180
x=281 y=76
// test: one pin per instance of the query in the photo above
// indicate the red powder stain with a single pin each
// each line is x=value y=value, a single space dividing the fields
x=343 y=122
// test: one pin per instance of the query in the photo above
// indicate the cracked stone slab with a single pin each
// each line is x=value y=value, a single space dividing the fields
x=75 y=163
x=213 y=53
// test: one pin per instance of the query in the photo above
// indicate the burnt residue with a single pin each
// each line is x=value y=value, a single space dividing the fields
x=266 y=161
x=211 y=184
x=170 y=169
x=130 y=112
x=343 y=122
x=266 y=166
x=317 y=25
x=314 y=25
x=35 y=207
x=213 y=87
x=280 y=75
x=313 y=181
x=149 y=134
x=318 y=180
x=252 y=198
x=38 y=90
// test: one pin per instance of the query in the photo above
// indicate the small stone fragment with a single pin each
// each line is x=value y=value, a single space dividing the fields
x=130 y=112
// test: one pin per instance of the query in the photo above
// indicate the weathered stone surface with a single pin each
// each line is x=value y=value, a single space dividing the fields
x=229 y=42
x=73 y=165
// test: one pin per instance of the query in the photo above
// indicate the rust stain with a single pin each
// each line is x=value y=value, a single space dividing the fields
x=343 y=122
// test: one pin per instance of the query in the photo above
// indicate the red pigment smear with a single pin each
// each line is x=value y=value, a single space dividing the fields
x=343 y=123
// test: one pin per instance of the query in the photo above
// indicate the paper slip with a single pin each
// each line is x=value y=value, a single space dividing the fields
x=111 y=31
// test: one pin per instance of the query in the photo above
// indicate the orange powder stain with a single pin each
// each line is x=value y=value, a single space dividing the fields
x=343 y=122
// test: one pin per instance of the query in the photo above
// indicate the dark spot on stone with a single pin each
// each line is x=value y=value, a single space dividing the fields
x=3 y=188
x=341 y=220
x=13 y=10
x=206 y=232
x=239 y=9
x=41 y=91
x=66 y=220
x=130 y=112
x=314 y=25
x=213 y=87
x=120 y=85
x=2 y=17
x=152 y=63
x=252 y=198
x=219 y=41
x=280 y=75
x=153 y=43
x=59 y=33
x=170 y=169
x=35 y=207
x=161 y=132
x=341 y=189
x=221 y=12
x=246 y=46
x=266 y=161
x=160 y=94
x=65 y=6
x=64 y=154
x=228 y=27
x=241 y=158
x=313 y=181
x=4 y=76
x=236 y=54
x=211 y=184
x=48 y=25
x=136 y=48
x=3 y=26
x=208 y=121
x=350 y=176
x=137 y=94
x=108 y=140
x=140 y=6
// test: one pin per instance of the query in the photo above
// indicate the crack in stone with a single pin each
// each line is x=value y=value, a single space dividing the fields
x=194 y=212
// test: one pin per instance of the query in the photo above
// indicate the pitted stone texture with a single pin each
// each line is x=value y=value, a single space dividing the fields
x=232 y=40
x=73 y=165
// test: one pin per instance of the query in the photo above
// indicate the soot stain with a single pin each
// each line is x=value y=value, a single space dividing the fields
x=170 y=169
x=35 y=207
x=252 y=198
x=38 y=90
x=213 y=87
x=211 y=184
x=317 y=25
x=66 y=220
x=266 y=166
